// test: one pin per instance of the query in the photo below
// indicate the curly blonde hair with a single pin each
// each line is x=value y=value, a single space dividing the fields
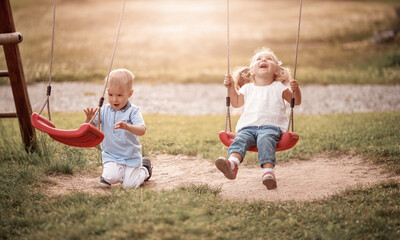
x=242 y=76
x=283 y=74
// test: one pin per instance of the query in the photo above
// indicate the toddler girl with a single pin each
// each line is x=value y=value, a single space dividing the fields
x=262 y=95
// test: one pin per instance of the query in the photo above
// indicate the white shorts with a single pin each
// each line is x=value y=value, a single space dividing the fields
x=130 y=177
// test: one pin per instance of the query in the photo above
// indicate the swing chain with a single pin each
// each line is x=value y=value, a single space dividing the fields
x=101 y=101
x=228 y=115
x=291 y=118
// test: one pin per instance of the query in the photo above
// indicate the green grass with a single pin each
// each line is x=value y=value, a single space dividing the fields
x=187 y=214
x=185 y=41
x=51 y=157
x=198 y=212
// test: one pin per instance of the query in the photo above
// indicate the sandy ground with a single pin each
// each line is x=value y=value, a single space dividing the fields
x=297 y=180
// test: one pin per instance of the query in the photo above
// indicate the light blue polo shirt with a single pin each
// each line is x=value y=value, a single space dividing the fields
x=119 y=145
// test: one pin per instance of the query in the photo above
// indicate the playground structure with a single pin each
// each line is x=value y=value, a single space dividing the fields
x=10 y=39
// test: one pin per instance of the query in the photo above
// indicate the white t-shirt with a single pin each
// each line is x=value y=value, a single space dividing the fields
x=263 y=105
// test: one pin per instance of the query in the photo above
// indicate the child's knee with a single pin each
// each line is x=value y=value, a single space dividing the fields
x=244 y=141
x=135 y=177
x=112 y=172
x=112 y=177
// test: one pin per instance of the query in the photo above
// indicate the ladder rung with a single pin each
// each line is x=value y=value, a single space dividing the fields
x=4 y=73
x=10 y=38
x=8 y=115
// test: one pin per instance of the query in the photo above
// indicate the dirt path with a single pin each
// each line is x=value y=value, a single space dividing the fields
x=299 y=180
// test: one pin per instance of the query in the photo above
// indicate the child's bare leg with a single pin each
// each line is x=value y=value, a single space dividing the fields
x=267 y=165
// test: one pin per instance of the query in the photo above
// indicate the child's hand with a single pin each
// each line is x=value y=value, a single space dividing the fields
x=90 y=112
x=294 y=85
x=121 y=125
x=228 y=80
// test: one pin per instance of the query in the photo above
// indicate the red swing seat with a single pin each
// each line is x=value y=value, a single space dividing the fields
x=85 y=136
x=288 y=140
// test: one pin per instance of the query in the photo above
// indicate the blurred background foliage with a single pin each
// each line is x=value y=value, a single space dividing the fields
x=180 y=41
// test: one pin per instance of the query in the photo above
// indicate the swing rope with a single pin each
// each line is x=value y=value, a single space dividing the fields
x=101 y=101
x=291 y=119
x=47 y=102
x=228 y=100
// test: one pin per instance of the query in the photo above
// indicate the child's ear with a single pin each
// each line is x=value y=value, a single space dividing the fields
x=131 y=92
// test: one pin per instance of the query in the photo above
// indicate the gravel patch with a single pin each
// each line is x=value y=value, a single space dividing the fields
x=200 y=99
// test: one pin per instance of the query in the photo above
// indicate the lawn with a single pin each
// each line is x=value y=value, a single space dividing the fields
x=197 y=211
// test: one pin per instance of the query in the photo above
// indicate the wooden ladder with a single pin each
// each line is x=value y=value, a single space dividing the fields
x=9 y=39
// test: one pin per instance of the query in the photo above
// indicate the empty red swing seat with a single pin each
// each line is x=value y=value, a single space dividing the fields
x=86 y=135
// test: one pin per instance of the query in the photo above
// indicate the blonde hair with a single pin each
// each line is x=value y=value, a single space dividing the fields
x=283 y=74
x=242 y=76
x=121 y=77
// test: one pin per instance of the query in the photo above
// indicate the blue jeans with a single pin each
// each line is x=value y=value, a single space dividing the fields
x=265 y=138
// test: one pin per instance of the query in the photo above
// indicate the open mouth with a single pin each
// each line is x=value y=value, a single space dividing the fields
x=263 y=65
